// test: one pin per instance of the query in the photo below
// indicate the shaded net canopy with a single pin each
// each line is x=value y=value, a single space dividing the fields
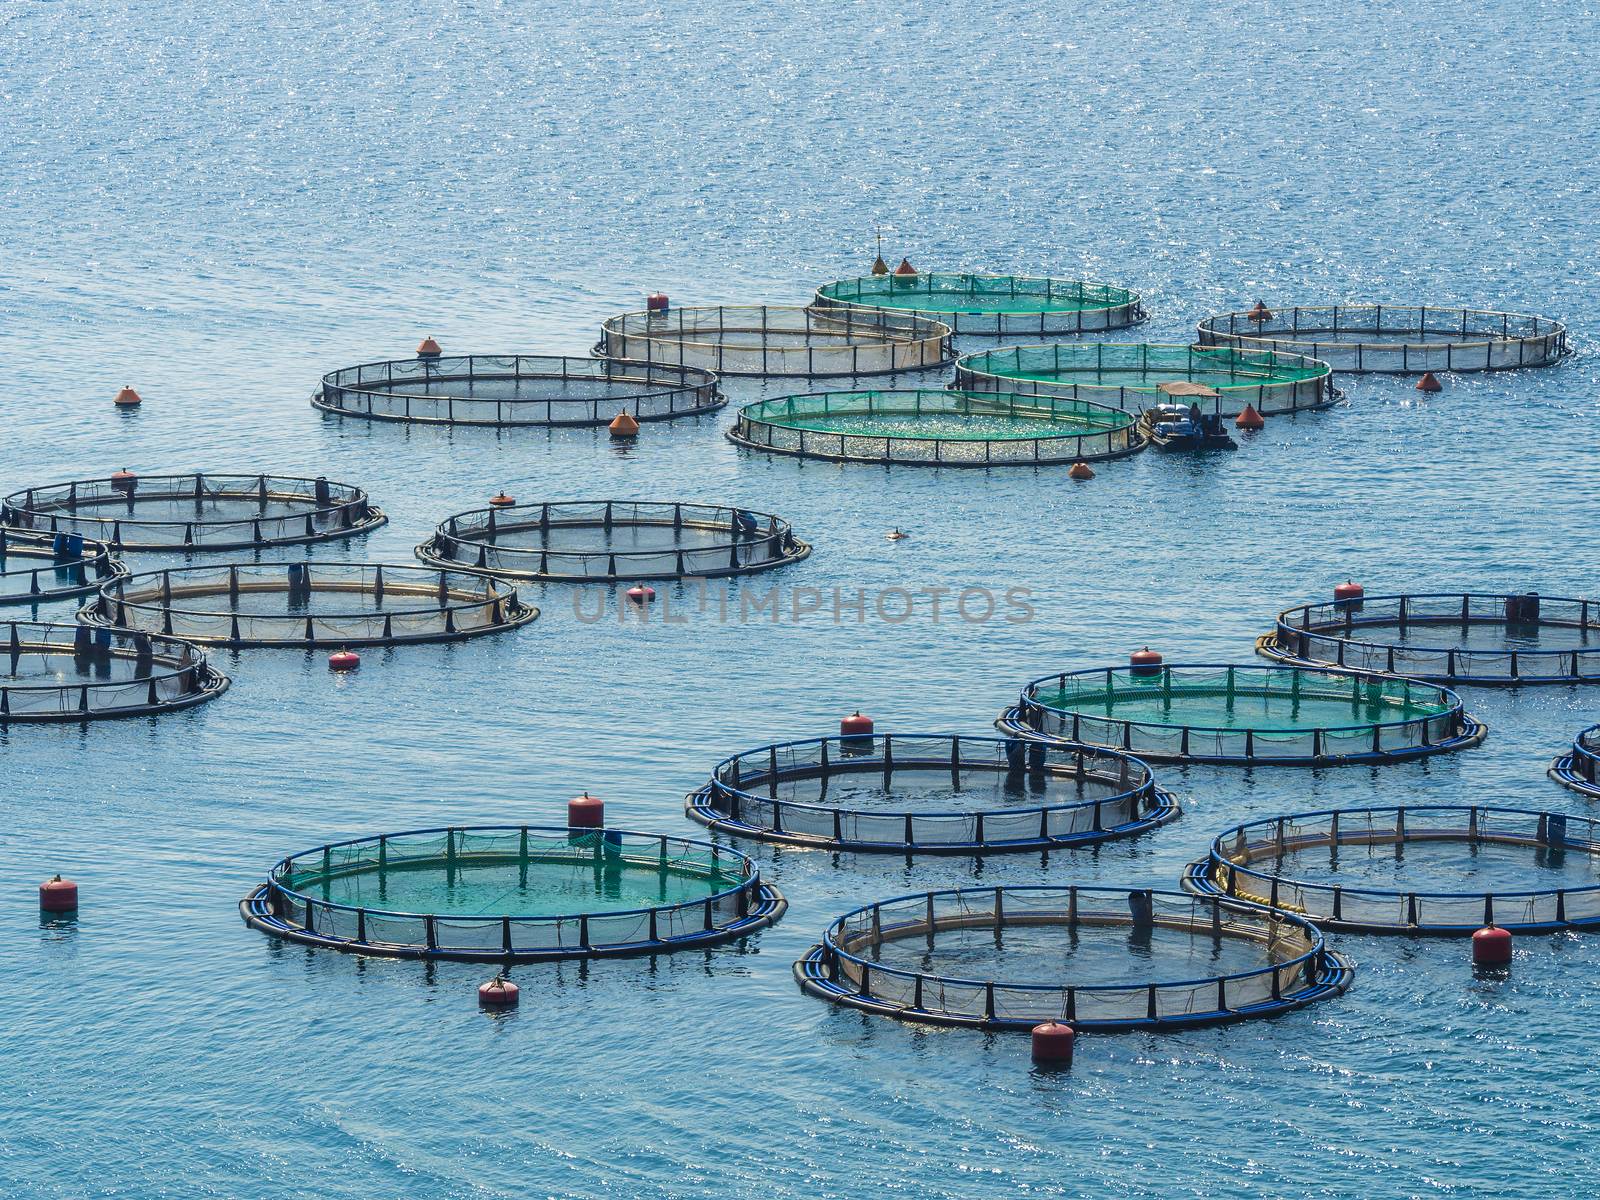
x=62 y=672
x=1092 y=956
x=600 y=540
x=1448 y=636
x=303 y=604
x=513 y=890
x=1448 y=868
x=36 y=567
x=768 y=340
x=1241 y=711
x=517 y=389
x=210 y=512
x=1128 y=375
x=922 y=791
x=938 y=426
x=993 y=304
x=1396 y=337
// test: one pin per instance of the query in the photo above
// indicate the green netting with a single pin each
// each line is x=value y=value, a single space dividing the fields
x=936 y=413
x=1243 y=698
x=1129 y=374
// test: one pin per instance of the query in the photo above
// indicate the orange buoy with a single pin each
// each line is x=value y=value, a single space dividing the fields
x=499 y=992
x=428 y=348
x=641 y=594
x=501 y=500
x=656 y=302
x=897 y=534
x=1080 y=470
x=123 y=480
x=344 y=660
x=624 y=426
x=1052 y=1043
x=58 y=895
x=905 y=268
x=879 y=267
x=586 y=812
x=128 y=398
x=1429 y=383
x=1144 y=662
x=1260 y=313
x=1491 y=947
x=1250 y=418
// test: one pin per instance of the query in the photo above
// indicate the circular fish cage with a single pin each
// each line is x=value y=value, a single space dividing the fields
x=1096 y=957
x=1245 y=715
x=1395 y=338
x=309 y=604
x=517 y=389
x=177 y=513
x=992 y=305
x=759 y=340
x=514 y=894
x=1359 y=870
x=39 y=567
x=75 y=673
x=1456 y=638
x=1579 y=768
x=930 y=794
x=937 y=427
x=1129 y=375
x=599 y=541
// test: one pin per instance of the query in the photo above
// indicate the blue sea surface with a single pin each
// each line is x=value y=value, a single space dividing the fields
x=219 y=203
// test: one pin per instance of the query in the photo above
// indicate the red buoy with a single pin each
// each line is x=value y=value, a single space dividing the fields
x=501 y=500
x=58 y=895
x=499 y=992
x=1250 y=419
x=1348 y=594
x=905 y=268
x=624 y=426
x=128 y=398
x=1260 y=313
x=1429 y=383
x=428 y=348
x=1144 y=662
x=1080 y=470
x=123 y=480
x=856 y=725
x=656 y=302
x=1052 y=1043
x=344 y=660
x=879 y=267
x=586 y=812
x=641 y=594
x=1491 y=947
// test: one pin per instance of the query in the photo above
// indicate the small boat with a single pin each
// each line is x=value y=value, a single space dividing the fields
x=1175 y=426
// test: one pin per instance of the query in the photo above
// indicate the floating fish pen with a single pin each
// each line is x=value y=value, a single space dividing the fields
x=1423 y=869
x=1579 y=768
x=992 y=305
x=1446 y=637
x=930 y=794
x=517 y=389
x=75 y=673
x=1129 y=375
x=309 y=604
x=1095 y=957
x=1244 y=715
x=598 y=541
x=937 y=427
x=176 y=513
x=1395 y=338
x=513 y=894
x=766 y=340
x=39 y=567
